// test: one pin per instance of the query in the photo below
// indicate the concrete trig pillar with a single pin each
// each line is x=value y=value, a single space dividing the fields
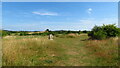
x=51 y=37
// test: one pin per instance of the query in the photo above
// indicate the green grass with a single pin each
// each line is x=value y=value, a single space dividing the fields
x=65 y=51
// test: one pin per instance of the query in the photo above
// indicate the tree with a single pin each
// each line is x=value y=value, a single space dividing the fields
x=84 y=31
x=47 y=30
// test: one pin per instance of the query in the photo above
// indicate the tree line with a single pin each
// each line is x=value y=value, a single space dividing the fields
x=46 y=32
x=98 y=32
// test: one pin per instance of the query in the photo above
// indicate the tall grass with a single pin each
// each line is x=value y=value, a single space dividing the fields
x=106 y=51
x=65 y=51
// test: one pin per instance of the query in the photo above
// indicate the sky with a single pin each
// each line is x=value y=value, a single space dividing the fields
x=39 y=16
x=60 y=0
x=0 y=15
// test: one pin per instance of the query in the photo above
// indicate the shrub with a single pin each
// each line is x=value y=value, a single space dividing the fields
x=111 y=30
x=105 y=31
x=99 y=35
x=5 y=33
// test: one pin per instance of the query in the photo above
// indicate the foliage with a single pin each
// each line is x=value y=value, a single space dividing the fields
x=105 y=31
x=0 y=33
x=46 y=32
x=23 y=33
x=111 y=30
x=5 y=33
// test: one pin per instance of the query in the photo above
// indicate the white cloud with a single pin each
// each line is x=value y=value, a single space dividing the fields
x=46 y=13
x=89 y=10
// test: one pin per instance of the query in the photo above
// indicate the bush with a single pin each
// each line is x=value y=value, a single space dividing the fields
x=105 y=31
x=5 y=33
x=99 y=35
x=111 y=30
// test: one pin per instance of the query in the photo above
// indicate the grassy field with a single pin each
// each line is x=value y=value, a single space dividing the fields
x=62 y=51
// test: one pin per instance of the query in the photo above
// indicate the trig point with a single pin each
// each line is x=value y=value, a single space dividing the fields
x=51 y=37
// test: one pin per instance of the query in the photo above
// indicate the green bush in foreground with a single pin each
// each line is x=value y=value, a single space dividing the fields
x=103 y=32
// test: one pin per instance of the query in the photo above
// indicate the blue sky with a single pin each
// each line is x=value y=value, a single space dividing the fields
x=0 y=15
x=40 y=16
x=60 y=0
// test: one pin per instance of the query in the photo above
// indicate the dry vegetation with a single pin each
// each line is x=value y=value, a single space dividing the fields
x=104 y=50
x=73 y=51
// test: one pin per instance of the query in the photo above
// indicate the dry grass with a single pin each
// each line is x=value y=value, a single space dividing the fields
x=39 y=50
x=104 y=49
x=15 y=48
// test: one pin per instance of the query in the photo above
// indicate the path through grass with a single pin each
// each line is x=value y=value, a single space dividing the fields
x=33 y=51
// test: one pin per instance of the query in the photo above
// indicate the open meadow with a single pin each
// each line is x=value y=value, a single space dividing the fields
x=59 y=33
x=62 y=51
